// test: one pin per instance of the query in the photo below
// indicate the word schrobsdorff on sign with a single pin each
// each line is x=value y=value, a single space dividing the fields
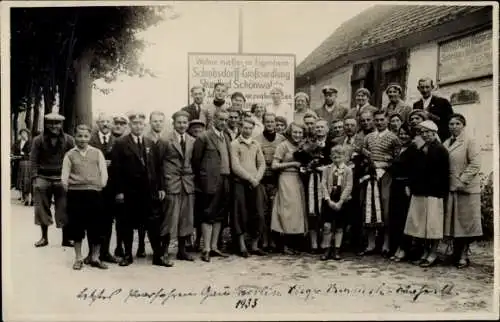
x=254 y=75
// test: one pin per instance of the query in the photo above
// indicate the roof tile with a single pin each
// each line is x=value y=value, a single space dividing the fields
x=377 y=25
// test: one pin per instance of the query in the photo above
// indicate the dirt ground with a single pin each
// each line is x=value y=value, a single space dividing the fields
x=41 y=285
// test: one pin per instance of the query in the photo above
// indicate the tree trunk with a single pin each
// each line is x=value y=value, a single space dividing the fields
x=69 y=107
x=15 y=116
x=36 y=111
x=83 y=90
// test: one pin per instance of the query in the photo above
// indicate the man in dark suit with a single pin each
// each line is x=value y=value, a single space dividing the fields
x=138 y=185
x=104 y=141
x=211 y=162
x=194 y=109
x=178 y=181
x=438 y=108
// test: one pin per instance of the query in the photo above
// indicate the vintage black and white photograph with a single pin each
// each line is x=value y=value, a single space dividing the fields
x=249 y=160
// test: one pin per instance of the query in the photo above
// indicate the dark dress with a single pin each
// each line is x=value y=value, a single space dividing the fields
x=399 y=200
x=312 y=156
x=23 y=169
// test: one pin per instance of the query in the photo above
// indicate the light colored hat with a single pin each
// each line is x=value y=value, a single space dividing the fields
x=429 y=125
x=329 y=89
x=303 y=95
x=54 y=117
x=196 y=122
x=134 y=116
x=364 y=91
x=396 y=86
x=121 y=118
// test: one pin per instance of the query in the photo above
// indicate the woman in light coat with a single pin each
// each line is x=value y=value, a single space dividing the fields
x=463 y=214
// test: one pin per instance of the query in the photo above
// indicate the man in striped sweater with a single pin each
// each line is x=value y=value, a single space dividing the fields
x=381 y=147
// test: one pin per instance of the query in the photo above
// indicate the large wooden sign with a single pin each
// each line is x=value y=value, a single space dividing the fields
x=466 y=58
x=252 y=74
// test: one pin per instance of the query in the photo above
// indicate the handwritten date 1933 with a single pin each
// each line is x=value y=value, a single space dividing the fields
x=249 y=303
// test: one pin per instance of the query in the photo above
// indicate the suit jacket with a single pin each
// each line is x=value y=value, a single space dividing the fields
x=440 y=111
x=465 y=164
x=193 y=113
x=206 y=161
x=177 y=170
x=137 y=177
x=95 y=141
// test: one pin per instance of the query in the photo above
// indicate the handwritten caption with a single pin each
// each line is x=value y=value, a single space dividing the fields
x=251 y=296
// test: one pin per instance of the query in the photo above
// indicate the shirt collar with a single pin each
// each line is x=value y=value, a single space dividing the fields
x=384 y=132
x=136 y=138
x=82 y=151
x=248 y=141
x=179 y=136
x=329 y=108
x=217 y=132
x=427 y=100
x=340 y=167
x=102 y=135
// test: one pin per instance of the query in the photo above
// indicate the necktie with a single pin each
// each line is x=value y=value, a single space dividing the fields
x=452 y=140
x=105 y=140
x=183 y=145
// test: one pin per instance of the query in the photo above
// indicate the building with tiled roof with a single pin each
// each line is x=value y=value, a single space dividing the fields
x=403 y=43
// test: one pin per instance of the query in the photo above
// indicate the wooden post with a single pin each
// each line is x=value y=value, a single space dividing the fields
x=240 y=30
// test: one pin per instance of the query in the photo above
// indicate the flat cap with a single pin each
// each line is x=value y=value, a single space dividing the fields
x=429 y=125
x=120 y=118
x=54 y=117
x=196 y=122
x=329 y=89
x=133 y=116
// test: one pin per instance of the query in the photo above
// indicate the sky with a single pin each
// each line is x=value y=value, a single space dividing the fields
x=268 y=27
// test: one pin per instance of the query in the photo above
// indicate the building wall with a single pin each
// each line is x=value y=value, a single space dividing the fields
x=340 y=79
x=423 y=62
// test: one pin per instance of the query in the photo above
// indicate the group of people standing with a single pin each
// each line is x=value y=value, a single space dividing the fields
x=274 y=176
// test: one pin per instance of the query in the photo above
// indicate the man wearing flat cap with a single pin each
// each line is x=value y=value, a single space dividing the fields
x=46 y=157
x=196 y=127
x=362 y=98
x=138 y=185
x=331 y=110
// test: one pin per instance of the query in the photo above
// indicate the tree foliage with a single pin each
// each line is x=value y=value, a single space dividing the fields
x=47 y=44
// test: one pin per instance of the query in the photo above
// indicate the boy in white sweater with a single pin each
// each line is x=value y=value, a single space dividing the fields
x=84 y=174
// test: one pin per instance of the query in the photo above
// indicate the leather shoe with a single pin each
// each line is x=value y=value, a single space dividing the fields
x=327 y=255
x=87 y=260
x=183 y=256
x=218 y=253
x=244 y=254
x=98 y=264
x=67 y=243
x=162 y=261
x=205 y=256
x=108 y=258
x=258 y=252
x=42 y=243
x=126 y=261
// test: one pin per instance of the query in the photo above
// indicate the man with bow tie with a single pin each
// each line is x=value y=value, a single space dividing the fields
x=194 y=109
x=138 y=185
x=438 y=108
x=104 y=141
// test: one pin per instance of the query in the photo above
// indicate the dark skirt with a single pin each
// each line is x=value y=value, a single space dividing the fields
x=398 y=212
x=23 y=183
x=336 y=218
x=84 y=209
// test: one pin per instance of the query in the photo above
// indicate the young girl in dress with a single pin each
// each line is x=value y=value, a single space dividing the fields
x=337 y=182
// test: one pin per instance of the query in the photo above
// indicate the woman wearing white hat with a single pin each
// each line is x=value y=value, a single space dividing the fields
x=429 y=186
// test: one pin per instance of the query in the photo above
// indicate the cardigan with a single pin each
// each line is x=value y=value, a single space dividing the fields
x=327 y=182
